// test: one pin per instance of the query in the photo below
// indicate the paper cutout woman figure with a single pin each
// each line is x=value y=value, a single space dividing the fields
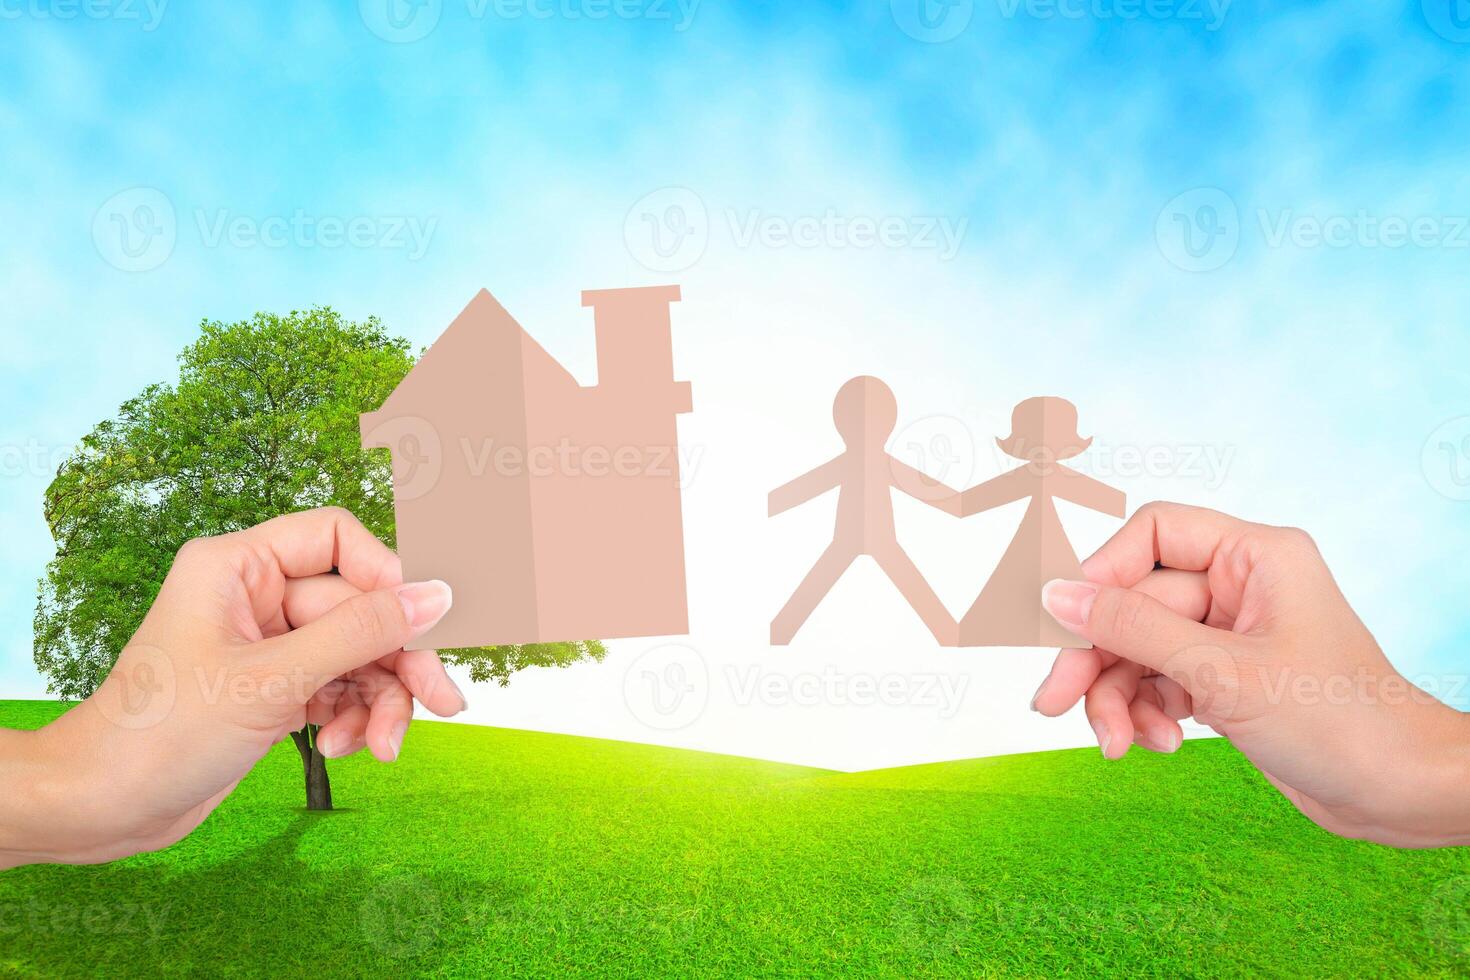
x=1008 y=611
x=865 y=474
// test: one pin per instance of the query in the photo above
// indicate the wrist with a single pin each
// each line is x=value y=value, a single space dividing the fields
x=43 y=811
x=1445 y=775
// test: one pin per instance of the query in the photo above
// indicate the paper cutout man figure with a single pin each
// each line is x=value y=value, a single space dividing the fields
x=864 y=475
x=551 y=508
x=1008 y=611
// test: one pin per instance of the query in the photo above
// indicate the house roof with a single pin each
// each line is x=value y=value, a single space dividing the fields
x=484 y=342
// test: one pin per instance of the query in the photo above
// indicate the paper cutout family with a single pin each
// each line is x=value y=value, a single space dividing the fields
x=553 y=509
x=1008 y=611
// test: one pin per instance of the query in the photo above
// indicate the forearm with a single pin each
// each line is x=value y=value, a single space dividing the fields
x=34 y=788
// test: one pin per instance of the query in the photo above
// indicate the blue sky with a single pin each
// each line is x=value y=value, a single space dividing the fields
x=1311 y=323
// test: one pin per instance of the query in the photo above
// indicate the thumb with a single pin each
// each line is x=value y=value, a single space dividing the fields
x=359 y=630
x=1142 y=629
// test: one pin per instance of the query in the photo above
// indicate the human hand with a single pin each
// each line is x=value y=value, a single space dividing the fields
x=253 y=635
x=1240 y=625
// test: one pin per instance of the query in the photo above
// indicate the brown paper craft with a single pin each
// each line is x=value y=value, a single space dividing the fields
x=865 y=476
x=551 y=509
x=1008 y=611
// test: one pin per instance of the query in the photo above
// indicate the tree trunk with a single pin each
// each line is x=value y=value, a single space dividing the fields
x=314 y=764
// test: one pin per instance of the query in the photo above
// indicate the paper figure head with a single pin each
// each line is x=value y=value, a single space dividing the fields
x=1044 y=430
x=865 y=411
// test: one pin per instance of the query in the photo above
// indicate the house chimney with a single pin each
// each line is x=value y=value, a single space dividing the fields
x=635 y=349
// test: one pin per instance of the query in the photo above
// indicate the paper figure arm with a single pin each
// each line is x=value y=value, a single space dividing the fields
x=1083 y=489
x=805 y=487
x=925 y=488
x=995 y=492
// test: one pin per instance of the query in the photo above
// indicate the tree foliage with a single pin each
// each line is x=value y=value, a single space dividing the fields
x=262 y=420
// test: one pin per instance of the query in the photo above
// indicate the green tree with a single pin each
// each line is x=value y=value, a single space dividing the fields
x=263 y=420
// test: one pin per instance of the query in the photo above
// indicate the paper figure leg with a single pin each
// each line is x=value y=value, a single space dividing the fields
x=912 y=585
x=812 y=590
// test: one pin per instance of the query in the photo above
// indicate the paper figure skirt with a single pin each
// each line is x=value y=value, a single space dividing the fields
x=1008 y=612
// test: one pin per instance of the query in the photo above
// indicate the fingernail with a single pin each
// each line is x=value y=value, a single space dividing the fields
x=332 y=744
x=1165 y=741
x=1035 y=697
x=425 y=603
x=1068 y=602
x=395 y=738
x=464 y=702
x=1104 y=737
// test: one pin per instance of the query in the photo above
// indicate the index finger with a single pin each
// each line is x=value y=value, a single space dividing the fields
x=1162 y=534
x=313 y=542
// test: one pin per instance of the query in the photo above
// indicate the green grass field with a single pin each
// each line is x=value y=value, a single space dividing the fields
x=506 y=852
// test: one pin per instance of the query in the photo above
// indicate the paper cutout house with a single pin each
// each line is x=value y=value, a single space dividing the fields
x=552 y=509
